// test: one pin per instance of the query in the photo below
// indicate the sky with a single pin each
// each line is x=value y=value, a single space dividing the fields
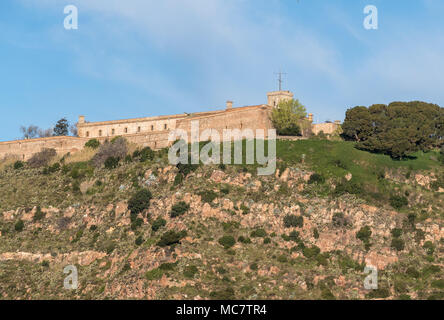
x=137 y=58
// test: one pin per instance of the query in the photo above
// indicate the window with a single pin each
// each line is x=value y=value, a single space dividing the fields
x=87 y=133
x=100 y=133
x=126 y=130
x=113 y=131
x=152 y=128
x=138 y=129
x=165 y=126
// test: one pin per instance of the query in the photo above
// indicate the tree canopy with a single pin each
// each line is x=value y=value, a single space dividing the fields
x=61 y=128
x=288 y=117
x=397 y=129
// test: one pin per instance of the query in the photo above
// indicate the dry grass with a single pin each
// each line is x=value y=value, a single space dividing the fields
x=84 y=155
x=8 y=161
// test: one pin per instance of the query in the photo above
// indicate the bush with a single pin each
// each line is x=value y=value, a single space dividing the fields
x=398 y=244
x=311 y=252
x=178 y=179
x=39 y=215
x=258 y=233
x=396 y=232
x=244 y=240
x=208 y=196
x=19 y=226
x=227 y=241
x=140 y=201
x=42 y=158
x=139 y=240
x=146 y=154
x=187 y=168
x=254 y=266
x=117 y=149
x=292 y=220
x=179 y=209
x=158 y=223
x=190 y=271
x=267 y=240
x=154 y=274
x=171 y=237
x=18 y=165
x=316 y=178
x=398 y=202
x=93 y=144
x=364 y=234
x=111 y=163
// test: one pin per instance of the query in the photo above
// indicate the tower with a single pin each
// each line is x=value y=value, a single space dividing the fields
x=275 y=97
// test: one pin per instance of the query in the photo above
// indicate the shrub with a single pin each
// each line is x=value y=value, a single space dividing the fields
x=364 y=234
x=258 y=233
x=179 y=209
x=429 y=247
x=140 y=201
x=154 y=274
x=292 y=220
x=245 y=210
x=398 y=202
x=316 y=233
x=42 y=158
x=93 y=144
x=19 y=226
x=18 y=165
x=171 y=237
x=139 y=240
x=187 y=168
x=39 y=214
x=316 y=178
x=398 y=244
x=227 y=241
x=158 y=223
x=350 y=187
x=146 y=154
x=267 y=240
x=311 y=252
x=117 y=149
x=282 y=259
x=178 y=179
x=339 y=220
x=396 y=232
x=244 y=240
x=294 y=236
x=190 y=271
x=111 y=163
x=254 y=266
x=208 y=196
x=167 y=266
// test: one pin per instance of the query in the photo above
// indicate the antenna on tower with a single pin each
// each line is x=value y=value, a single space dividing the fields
x=280 y=79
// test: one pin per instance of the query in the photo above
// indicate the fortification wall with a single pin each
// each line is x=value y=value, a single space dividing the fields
x=255 y=117
x=24 y=149
x=327 y=128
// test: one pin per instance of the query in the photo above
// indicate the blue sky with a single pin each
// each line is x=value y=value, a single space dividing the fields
x=138 y=58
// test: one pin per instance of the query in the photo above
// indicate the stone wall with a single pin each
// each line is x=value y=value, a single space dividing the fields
x=24 y=149
x=327 y=128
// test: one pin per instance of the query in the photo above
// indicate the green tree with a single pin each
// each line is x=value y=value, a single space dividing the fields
x=397 y=129
x=288 y=117
x=61 y=128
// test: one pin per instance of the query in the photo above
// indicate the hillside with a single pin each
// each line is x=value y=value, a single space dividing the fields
x=215 y=232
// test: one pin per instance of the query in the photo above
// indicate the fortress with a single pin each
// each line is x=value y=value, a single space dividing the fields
x=153 y=131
